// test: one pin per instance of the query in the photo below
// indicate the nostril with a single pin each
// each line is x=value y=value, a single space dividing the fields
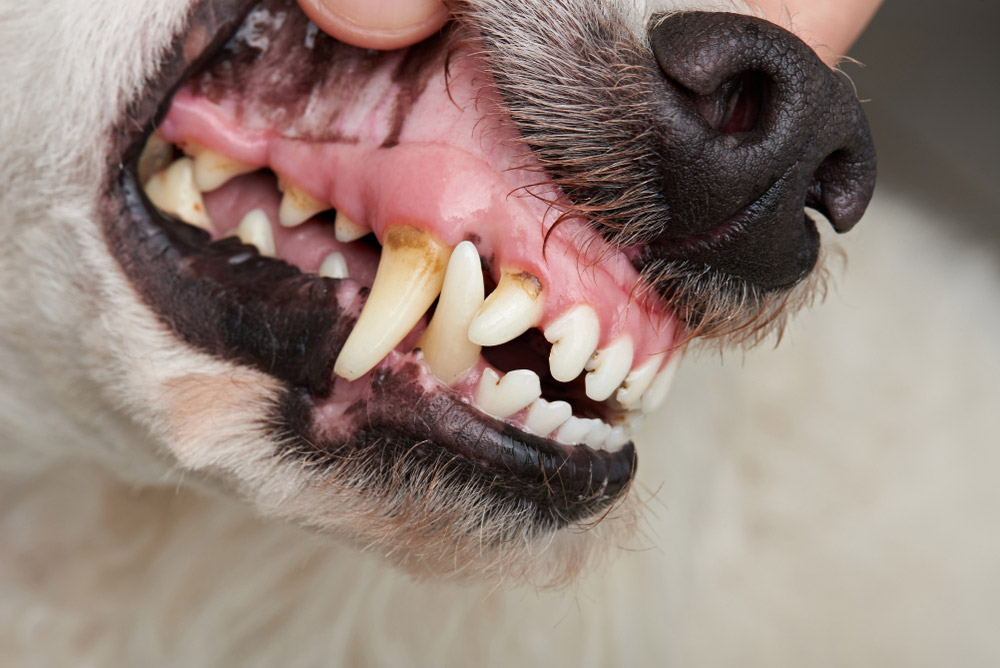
x=736 y=105
x=841 y=188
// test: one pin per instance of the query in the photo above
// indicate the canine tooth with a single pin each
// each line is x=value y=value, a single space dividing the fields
x=544 y=417
x=515 y=306
x=346 y=230
x=575 y=429
x=255 y=229
x=212 y=169
x=657 y=392
x=574 y=337
x=502 y=397
x=156 y=155
x=630 y=393
x=173 y=191
x=608 y=368
x=597 y=435
x=334 y=266
x=447 y=348
x=298 y=206
x=407 y=281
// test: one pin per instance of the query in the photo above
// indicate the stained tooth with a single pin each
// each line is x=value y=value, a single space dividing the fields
x=608 y=368
x=597 y=435
x=575 y=430
x=173 y=190
x=502 y=397
x=407 y=281
x=298 y=206
x=544 y=417
x=574 y=337
x=334 y=266
x=255 y=229
x=212 y=169
x=446 y=346
x=346 y=230
x=630 y=393
x=657 y=392
x=156 y=155
x=515 y=306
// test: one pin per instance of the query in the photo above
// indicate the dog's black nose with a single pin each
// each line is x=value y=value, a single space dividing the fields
x=756 y=128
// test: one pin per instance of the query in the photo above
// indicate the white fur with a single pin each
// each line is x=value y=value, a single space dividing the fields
x=829 y=503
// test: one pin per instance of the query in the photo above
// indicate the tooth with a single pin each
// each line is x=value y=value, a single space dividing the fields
x=173 y=191
x=630 y=394
x=574 y=337
x=608 y=368
x=346 y=230
x=446 y=346
x=618 y=437
x=502 y=397
x=575 y=430
x=657 y=392
x=407 y=281
x=156 y=155
x=334 y=266
x=544 y=417
x=255 y=229
x=212 y=169
x=515 y=306
x=298 y=206
x=597 y=435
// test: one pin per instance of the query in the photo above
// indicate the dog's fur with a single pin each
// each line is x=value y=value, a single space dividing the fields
x=798 y=510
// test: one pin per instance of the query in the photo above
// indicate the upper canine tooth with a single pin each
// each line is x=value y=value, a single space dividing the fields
x=544 y=417
x=298 y=206
x=657 y=392
x=630 y=393
x=608 y=368
x=255 y=229
x=445 y=343
x=574 y=337
x=346 y=230
x=514 y=307
x=212 y=169
x=156 y=155
x=502 y=397
x=334 y=266
x=407 y=281
x=173 y=190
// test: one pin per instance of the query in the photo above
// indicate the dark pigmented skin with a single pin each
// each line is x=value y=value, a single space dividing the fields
x=736 y=199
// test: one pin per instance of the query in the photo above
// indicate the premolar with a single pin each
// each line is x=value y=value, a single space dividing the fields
x=514 y=307
x=255 y=229
x=544 y=417
x=346 y=230
x=212 y=170
x=173 y=191
x=608 y=368
x=298 y=206
x=574 y=337
x=636 y=382
x=502 y=397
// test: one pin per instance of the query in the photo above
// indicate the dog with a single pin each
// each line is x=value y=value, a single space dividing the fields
x=237 y=417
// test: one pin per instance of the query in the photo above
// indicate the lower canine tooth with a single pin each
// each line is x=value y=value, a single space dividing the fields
x=407 y=281
x=637 y=381
x=502 y=397
x=657 y=392
x=212 y=170
x=298 y=206
x=173 y=191
x=514 y=307
x=255 y=229
x=346 y=230
x=574 y=337
x=544 y=417
x=334 y=266
x=446 y=346
x=608 y=368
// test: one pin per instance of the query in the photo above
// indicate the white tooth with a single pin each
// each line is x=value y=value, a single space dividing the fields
x=255 y=229
x=156 y=155
x=630 y=394
x=212 y=169
x=502 y=397
x=445 y=343
x=298 y=206
x=515 y=306
x=597 y=435
x=346 y=230
x=575 y=430
x=574 y=337
x=618 y=437
x=407 y=281
x=544 y=417
x=608 y=368
x=334 y=266
x=173 y=191
x=657 y=392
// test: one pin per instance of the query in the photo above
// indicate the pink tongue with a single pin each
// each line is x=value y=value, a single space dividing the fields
x=440 y=158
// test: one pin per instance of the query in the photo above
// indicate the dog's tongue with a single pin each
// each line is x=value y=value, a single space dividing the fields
x=413 y=137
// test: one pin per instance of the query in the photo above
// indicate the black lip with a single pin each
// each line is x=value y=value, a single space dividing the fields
x=227 y=301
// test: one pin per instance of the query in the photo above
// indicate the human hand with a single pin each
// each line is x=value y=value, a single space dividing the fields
x=377 y=24
x=828 y=26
